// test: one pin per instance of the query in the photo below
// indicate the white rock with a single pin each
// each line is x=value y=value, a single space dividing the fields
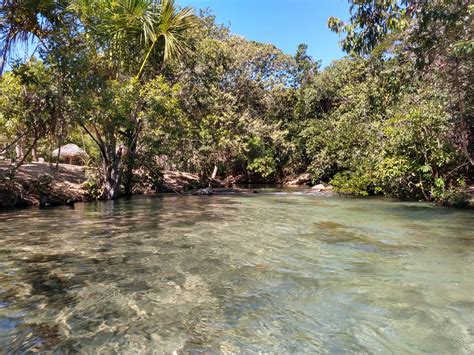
x=319 y=187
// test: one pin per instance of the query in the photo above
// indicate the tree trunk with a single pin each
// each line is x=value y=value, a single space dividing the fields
x=111 y=161
x=112 y=174
x=214 y=172
x=131 y=157
x=18 y=151
x=34 y=154
x=58 y=157
x=129 y=170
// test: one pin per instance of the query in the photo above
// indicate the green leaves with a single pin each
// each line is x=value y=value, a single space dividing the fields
x=131 y=29
x=377 y=133
x=23 y=21
x=425 y=168
x=391 y=118
x=370 y=24
x=172 y=27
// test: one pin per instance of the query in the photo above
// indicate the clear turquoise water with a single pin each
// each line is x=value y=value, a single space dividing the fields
x=278 y=273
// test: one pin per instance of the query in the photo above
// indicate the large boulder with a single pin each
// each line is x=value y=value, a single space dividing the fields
x=321 y=187
x=303 y=179
x=323 y=190
x=318 y=187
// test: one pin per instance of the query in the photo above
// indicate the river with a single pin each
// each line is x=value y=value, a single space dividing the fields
x=268 y=272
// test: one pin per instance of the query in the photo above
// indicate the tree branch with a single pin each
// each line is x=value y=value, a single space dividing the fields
x=15 y=141
x=96 y=141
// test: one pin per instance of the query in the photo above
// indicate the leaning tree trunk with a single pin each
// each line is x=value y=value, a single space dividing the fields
x=112 y=174
x=111 y=161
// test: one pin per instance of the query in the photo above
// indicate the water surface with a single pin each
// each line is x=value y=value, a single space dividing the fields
x=267 y=272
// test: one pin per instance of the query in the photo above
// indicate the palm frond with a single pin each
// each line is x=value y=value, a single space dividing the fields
x=146 y=25
x=173 y=24
x=21 y=21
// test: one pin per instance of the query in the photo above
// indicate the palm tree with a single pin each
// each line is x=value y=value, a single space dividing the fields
x=127 y=34
x=24 y=21
x=171 y=27
x=146 y=25
x=125 y=30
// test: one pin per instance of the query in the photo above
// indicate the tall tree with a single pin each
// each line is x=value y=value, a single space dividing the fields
x=132 y=35
x=436 y=36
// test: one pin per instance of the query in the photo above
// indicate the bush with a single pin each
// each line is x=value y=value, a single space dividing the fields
x=453 y=198
x=93 y=184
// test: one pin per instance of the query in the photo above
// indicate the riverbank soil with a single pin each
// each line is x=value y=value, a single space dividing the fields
x=42 y=184
x=37 y=184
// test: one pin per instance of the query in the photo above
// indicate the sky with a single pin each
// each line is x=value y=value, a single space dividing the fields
x=284 y=23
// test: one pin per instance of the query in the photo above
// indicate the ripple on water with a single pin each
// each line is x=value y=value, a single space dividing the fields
x=261 y=273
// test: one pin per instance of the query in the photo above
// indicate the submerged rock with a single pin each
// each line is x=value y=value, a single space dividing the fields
x=222 y=191
x=47 y=200
x=201 y=192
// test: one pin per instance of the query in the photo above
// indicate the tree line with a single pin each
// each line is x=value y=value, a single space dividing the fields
x=146 y=84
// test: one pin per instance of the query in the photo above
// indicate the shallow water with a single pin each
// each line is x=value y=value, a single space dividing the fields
x=267 y=272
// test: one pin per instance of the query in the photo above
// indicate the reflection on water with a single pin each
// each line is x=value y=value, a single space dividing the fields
x=270 y=273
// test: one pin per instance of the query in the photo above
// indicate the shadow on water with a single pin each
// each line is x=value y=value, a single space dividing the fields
x=334 y=233
x=267 y=273
x=104 y=243
x=37 y=284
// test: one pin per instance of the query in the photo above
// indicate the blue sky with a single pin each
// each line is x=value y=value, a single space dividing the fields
x=284 y=23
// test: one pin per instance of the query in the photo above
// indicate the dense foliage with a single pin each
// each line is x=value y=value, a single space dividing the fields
x=145 y=85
